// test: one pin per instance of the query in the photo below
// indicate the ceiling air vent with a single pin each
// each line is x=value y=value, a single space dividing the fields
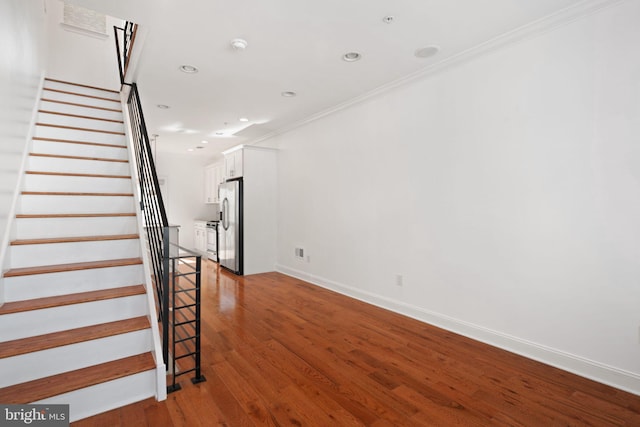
x=84 y=21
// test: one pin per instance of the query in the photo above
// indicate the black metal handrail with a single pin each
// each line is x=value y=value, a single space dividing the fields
x=153 y=212
x=166 y=257
x=185 y=316
x=128 y=35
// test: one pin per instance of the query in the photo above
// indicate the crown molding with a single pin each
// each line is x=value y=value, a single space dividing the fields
x=533 y=29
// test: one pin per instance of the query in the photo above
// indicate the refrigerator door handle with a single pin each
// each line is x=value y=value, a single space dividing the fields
x=225 y=213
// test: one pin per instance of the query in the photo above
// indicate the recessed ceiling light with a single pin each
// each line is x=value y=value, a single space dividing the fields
x=162 y=106
x=185 y=131
x=243 y=119
x=288 y=94
x=204 y=142
x=190 y=69
x=189 y=149
x=239 y=44
x=351 y=56
x=427 y=52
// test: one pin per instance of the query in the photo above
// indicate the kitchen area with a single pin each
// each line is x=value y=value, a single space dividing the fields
x=236 y=227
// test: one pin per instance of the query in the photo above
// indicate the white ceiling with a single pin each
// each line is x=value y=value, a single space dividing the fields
x=293 y=45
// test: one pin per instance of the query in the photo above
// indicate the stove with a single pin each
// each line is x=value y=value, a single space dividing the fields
x=212 y=240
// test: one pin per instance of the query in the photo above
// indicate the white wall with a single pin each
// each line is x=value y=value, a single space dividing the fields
x=185 y=201
x=505 y=190
x=92 y=60
x=22 y=61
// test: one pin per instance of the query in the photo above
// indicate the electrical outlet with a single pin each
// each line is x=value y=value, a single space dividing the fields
x=308 y=258
x=399 y=280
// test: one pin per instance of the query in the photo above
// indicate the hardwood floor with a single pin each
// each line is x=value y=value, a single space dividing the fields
x=278 y=351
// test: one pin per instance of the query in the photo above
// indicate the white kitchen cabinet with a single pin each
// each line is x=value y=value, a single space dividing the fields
x=220 y=175
x=233 y=163
x=200 y=236
x=213 y=175
x=259 y=220
x=209 y=196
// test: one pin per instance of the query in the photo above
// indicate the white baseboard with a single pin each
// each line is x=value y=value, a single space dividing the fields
x=618 y=378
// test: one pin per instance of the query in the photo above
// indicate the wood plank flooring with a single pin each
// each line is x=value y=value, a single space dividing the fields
x=25 y=271
x=43 y=388
x=68 y=299
x=279 y=352
x=72 y=336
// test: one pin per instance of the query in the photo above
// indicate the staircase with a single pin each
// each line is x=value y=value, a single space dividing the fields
x=76 y=324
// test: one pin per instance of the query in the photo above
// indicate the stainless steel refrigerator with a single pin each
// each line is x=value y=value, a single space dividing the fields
x=230 y=226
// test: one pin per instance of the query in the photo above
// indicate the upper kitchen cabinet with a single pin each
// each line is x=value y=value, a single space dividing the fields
x=233 y=163
x=213 y=176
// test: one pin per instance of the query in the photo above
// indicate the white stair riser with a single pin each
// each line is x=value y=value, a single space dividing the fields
x=48 y=84
x=63 y=120
x=70 y=282
x=34 y=228
x=82 y=111
x=78 y=135
x=66 y=253
x=81 y=184
x=53 y=361
x=56 y=164
x=39 y=322
x=75 y=204
x=78 y=99
x=106 y=396
x=82 y=150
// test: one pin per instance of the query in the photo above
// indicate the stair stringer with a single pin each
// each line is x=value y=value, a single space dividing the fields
x=161 y=368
